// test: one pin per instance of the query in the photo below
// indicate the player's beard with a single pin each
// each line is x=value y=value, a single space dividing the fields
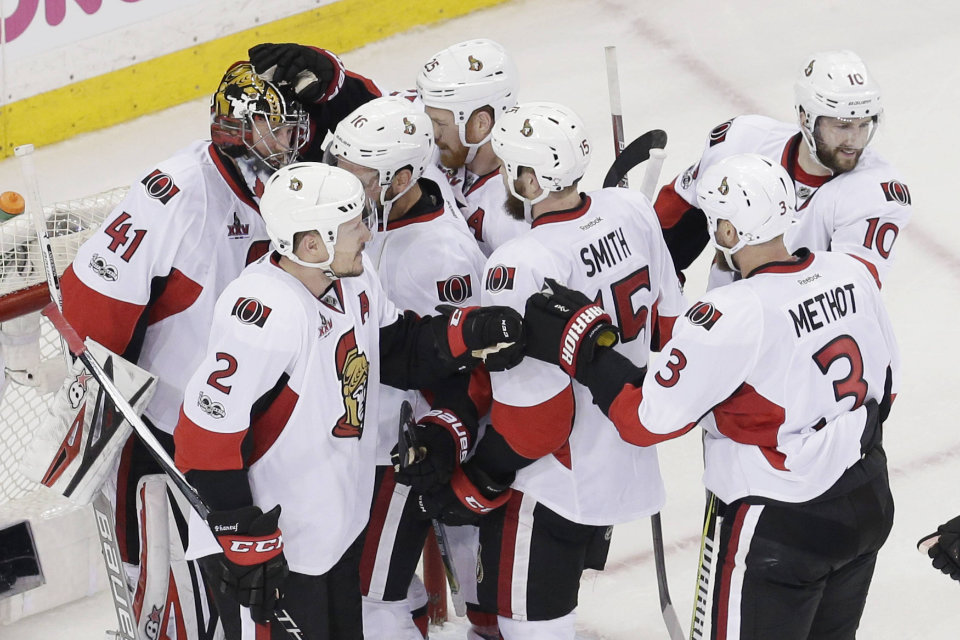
x=514 y=207
x=831 y=159
x=453 y=158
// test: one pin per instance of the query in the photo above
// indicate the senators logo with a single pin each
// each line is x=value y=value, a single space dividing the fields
x=353 y=369
x=895 y=191
x=719 y=133
x=724 y=188
x=455 y=289
x=251 y=311
x=809 y=69
x=500 y=277
x=408 y=127
x=703 y=314
x=475 y=65
x=160 y=186
x=527 y=130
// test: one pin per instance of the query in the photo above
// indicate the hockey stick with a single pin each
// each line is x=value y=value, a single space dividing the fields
x=626 y=158
x=102 y=510
x=76 y=346
x=708 y=547
x=407 y=443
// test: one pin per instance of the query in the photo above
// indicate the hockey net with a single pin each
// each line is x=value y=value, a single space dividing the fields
x=23 y=292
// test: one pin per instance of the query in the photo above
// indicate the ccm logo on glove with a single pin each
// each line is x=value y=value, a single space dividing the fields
x=256 y=546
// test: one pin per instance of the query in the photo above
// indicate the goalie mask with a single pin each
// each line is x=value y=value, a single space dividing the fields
x=835 y=84
x=468 y=76
x=387 y=135
x=250 y=116
x=310 y=196
x=548 y=138
x=751 y=192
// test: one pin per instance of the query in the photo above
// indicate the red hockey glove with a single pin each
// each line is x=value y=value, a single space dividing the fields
x=315 y=75
x=945 y=552
x=252 y=568
x=564 y=327
x=471 y=494
x=493 y=334
x=441 y=442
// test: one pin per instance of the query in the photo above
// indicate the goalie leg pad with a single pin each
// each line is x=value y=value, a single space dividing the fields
x=76 y=447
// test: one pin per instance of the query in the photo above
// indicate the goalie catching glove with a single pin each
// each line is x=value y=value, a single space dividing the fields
x=566 y=328
x=492 y=334
x=315 y=75
x=252 y=568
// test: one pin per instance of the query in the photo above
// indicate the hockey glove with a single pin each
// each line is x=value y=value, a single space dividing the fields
x=564 y=327
x=308 y=71
x=491 y=334
x=471 y=494
x=252 y=568
x=945 y=552
x=440 y=442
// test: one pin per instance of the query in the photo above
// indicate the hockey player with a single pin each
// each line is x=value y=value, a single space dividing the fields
x=849 y=199
x=791 y=372
x=574 y=477
x=387 y=143
x=465 y=89
x=144 y=286
x=275 y=415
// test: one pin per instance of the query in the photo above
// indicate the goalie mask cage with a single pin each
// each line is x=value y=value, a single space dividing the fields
x=65 y=535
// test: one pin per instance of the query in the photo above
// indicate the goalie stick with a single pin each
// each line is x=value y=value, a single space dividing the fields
x=410 y=452
x=627 y=158
x=76 y=346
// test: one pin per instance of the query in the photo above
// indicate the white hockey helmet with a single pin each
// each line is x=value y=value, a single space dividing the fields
x=753 y=193
x=546 y=137
x=387 y=134
x=309 y=196
x=835 y=84
x=467 y=76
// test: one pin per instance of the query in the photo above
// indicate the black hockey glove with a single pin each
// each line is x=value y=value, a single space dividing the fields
x=440 y=442
x=306 y=70
x=252 y=568
x=564 y=327
x=945 y=552
x=491 y=334
x=471 y=494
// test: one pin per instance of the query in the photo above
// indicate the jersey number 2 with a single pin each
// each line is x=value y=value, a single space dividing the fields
x=853 y=385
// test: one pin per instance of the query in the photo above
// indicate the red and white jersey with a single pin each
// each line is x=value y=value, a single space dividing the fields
x=284 y=386
x=145 y=283
x=481 y=200
x=424 y=259
x=610 y=248
x=860 y=212
x=778 y=365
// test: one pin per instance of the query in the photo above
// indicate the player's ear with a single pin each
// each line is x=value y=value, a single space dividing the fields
x=401 y=179
x=480 y=124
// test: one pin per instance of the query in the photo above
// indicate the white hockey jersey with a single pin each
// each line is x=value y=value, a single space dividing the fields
x=778 y=365
x=860 y=212
x=290 y=378
x=611 y=249
x=424 y=259
x=145 y=283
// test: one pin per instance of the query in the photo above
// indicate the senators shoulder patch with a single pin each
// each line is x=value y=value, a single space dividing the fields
x=703 y=314
x=251 y=311
x=160 y=186
x=455 y=289
x=719 y=133
x=500 y=278
x=896 y=191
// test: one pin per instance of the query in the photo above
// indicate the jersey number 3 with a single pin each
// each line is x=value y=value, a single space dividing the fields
x=853 y=385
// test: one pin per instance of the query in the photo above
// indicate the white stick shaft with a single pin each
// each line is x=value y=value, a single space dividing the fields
x=616 y=111
x=651 y=175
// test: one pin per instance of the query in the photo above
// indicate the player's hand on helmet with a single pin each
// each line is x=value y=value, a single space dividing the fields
x=252 y=567
x=471 y=494
x=306 y=70
x=564 y=327
x=945 y=552
x=492 y=334
x=440 y=442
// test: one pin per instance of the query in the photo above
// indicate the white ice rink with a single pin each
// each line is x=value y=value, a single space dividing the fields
x=686 y=66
